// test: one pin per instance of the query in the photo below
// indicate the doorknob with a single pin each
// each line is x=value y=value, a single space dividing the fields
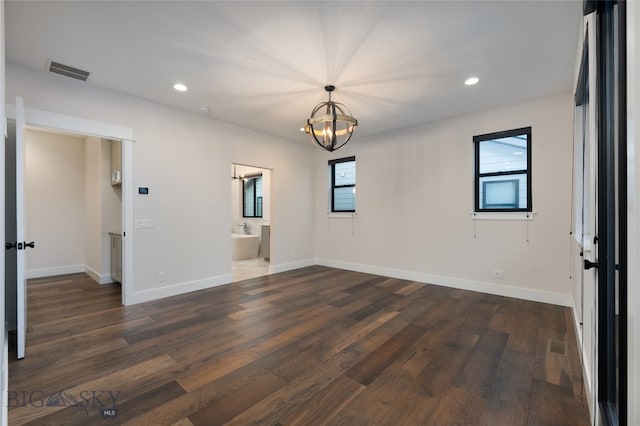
x=588 y=264
x=20 y=246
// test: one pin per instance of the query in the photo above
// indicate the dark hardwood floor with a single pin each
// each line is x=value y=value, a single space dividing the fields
x=306 y=347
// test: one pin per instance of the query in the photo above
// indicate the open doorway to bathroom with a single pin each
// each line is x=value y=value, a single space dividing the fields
x=250 y=221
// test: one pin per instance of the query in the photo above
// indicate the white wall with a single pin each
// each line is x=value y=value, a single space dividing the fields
x=102 y=209
x=633 y=164
x=184 y=160
x=415 y=195
x=54 y=203
x=111 y=214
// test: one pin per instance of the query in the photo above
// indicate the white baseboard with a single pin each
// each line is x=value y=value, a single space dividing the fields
x=97 y=277
x=586 y=368
x=284 y=267
x=461 y=283
x=180 y=288
x=56 y=270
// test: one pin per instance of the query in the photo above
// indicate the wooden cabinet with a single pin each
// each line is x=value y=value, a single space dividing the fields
x=116 y=256
x=116 y=162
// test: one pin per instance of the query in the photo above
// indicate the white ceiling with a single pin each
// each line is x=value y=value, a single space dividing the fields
x=263 y=65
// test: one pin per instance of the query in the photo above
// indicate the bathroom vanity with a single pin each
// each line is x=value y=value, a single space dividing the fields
x=116 y=256
x=266 y=242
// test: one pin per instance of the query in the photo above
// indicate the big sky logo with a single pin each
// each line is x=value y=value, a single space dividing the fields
x=104 y=400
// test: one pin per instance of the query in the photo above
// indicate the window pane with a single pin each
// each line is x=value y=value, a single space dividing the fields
x=259 y=206
x=503 y=192
x=252 y=197
x=248 y=197
x=504 y=154
x=345 y=173
x=344 y=199
x=258 y=183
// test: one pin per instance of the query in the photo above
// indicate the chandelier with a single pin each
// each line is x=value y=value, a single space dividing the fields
x=331 y=124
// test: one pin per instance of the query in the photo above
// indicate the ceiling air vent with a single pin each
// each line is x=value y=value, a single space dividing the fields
x=68 y=71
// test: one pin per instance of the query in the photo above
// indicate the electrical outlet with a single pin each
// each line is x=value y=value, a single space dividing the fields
x=161 y=276
x=498 y=274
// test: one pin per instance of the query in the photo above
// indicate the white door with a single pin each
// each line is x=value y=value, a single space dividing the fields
x=21 y=269
x=15 y=244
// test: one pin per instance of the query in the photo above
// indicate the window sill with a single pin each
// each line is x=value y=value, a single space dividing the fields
x=345 y=215
x=502 y=215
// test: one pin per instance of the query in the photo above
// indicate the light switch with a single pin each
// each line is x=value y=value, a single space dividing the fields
x=144 y=223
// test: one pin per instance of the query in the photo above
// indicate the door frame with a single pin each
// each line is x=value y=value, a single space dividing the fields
x=612 y=211
x=584 y=214
x=46 y=120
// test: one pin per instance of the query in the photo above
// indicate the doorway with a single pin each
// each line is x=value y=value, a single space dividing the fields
x=250 y=221
x=37 y=119
x=75 y=215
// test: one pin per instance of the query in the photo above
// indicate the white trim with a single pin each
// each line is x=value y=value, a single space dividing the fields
x=453 y=282
x=179 y=288
x=60 y=122
x=586 y=369
x=97 y=277
x=55 y=270
x=345 y=215
x=4 y=380
x=633 y=211
x=502 y=215
x=21 y=261
x=284 y=267
x=127 y=221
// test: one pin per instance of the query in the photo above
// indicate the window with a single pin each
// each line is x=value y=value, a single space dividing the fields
x=252 y=196
x=503 y=171
x=343 y=185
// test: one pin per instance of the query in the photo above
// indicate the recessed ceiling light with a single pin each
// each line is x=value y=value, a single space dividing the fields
x=180 y=87
x=471 y=81
x=204 y=109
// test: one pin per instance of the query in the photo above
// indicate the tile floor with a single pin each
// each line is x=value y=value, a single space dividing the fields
x=249 y=268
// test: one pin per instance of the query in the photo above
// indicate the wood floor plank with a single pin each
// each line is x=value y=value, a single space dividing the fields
x=511 y=394
x=315 y=345
x=409 y=289
x=377 y=361
x=212 y=371
x=391 y=398
x=114 y=382
x=327 y=403
x=458 y=407
x=302 y=388
x=238 y=401
x=478 y=374
x=553 y=405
